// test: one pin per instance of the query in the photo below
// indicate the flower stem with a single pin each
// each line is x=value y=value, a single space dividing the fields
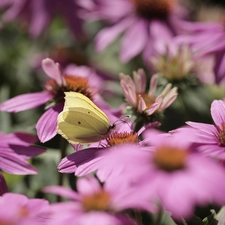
x=63 y=146
x=138 y=217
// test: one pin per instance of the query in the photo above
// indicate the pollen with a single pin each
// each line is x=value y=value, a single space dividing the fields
x=154 y=9
x=73 y=83
x=221 y=134
x=99 y=201
x=170 y=158
x=122 y=138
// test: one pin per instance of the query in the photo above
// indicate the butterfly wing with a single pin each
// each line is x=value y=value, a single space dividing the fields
x=81 y=121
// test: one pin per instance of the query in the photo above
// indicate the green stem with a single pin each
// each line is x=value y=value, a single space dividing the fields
x=62 y=147
x=138 y=217
x=159 y=217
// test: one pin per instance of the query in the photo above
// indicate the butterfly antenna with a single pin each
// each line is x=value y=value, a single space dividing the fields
x=122 y=120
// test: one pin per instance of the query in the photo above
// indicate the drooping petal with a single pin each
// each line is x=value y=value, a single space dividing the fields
x=17 y=138
x=27 y=151
x=47 y=124
x=3 y=185
x=70 y=163
x=161 y=35
x=108 y=35
x=15 y=164
x=219 y=68
x=62 y=191
x=134 y=40
x=40 y=18
x=52 y=69
x=25 y=102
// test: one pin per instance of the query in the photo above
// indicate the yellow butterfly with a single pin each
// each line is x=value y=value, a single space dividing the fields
x=81 y=121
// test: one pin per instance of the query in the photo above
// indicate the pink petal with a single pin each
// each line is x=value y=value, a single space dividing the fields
x=47 y=124
x=52 y=69
x=70 y=163
x=134 y=40
x=108 y=35
x=27 y=151
x=217 y=112
x=40 y=18
x=14 y=164
x=25 y=102
x=140 y=80
x=153 y=85
x=220 y=68
x=14 y=10
x=88 y=185
x=203 y=127
x=161 y=35
x=17 y=138
x=3 y=185
x=62 y=191
x=141 y=104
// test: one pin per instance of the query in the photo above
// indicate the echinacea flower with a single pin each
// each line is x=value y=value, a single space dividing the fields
x=15 y=150
x=80 y=161
x=53 y=95
x=146 y=103
x=17 y=209
x=170 y=173
x=92 y=202
x=211 y=137
x=147 y=25
x=39 y=14
x=207 y=38
x=179 y=63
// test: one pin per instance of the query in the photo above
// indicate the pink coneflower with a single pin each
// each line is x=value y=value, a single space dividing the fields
x=170 y=174
x=147 y=25
x=210 y=138
x=15 y=150
x=79 y=161
x=208 y=38
x=180 y=64
x=17 y=209
x=37 y=15
x=146 y=103
x=92 y=202
x=53 y=95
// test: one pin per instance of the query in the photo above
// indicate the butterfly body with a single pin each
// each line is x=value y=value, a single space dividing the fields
x=81 y=121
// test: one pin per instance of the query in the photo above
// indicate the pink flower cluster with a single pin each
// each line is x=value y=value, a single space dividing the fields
x=160 y=155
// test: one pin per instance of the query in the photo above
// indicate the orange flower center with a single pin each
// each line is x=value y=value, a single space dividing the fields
x=122 y=138
x=73 y=83
x=23 y=212
x=149 y=100
x=170 y=158
x=99 y=201
x=221 y=134
x=151 y=9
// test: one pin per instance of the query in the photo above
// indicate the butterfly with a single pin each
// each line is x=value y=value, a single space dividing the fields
x=81 y=121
